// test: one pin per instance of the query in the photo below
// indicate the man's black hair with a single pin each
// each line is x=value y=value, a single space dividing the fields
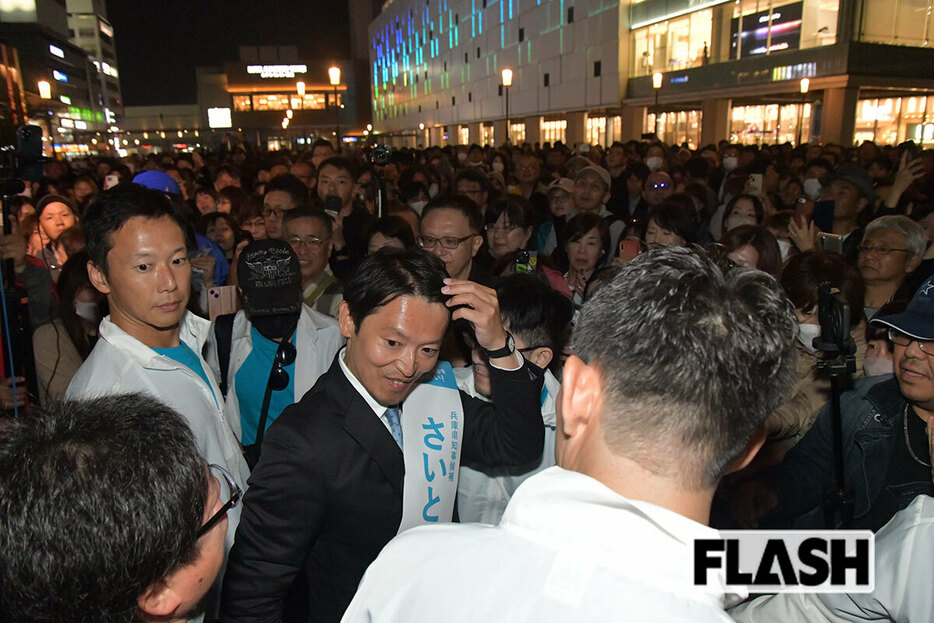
x=474 y=174
x=113 y=208
x=339 y=163
x=534 y=311
x=306 y=212
x=290 y=185
x=99 y=500
x=461 y=204
x=229 y=169
x=390 y=273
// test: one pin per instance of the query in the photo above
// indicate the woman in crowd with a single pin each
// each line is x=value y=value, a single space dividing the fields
x=206 y=200
x=389 y=231
x=222 y=229
x=61 y=346
x=670 y=223
x=230 y=200
x=510 y=225
x=588 y=242
x=85 y=192
x=55 y=216
x=743 y=209
x=251 y=217
x=753 y=246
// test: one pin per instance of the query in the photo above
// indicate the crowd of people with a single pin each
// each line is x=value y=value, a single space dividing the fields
x=567 y=344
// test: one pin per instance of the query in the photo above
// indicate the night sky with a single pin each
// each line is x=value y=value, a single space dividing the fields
x=160 y=43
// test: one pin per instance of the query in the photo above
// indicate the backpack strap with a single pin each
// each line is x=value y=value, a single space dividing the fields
x=223 y=333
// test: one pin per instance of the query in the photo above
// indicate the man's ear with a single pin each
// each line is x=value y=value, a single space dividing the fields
x=749 y=452
x=98 y=278
x=158 y=601
x=345 y=322
x=477 y=243
x=581 y=397
x=541 y=357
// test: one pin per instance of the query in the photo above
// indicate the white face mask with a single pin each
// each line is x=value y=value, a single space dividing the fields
x=812 y=188
x=433 y=190
x=88 y=311
x=806 y=335
x=877 y=366
x=498 y=166
x=784 y=247
x=418 y=206
x=736 y=221
x=654 y=163
x=730 y=163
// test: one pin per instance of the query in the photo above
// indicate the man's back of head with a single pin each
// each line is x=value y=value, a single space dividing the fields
x=101 y=502
x=690 y=363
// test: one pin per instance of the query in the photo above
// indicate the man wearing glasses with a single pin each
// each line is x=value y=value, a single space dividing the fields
x=309 y=232
x=887 y=458
x=283 y=194
x=450 y=229
x=109 y=513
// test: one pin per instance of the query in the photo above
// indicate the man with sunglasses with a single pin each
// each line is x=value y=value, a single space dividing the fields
x=109 y=513
x=887 y=460
x=275 y=348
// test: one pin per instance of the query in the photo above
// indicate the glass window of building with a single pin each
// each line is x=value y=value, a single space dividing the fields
x=892 y=120
x=897 y=22
x=676 y=128
x=463 y=133
x=517 y=133
x=769 y=26
x=271 y=101
x=672 y=44
x=596 y=131
x=554 y=130
x=488 y=135
x=241 y=103
x=770 y=124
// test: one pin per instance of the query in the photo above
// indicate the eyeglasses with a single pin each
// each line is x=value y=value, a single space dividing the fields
x=902 y=339
x=448 y=242
x=312 y=242
x=285 y=356
x=256 y=222
x=277 y=212
x=234 y=493
x=864 y=248
x=493 y=227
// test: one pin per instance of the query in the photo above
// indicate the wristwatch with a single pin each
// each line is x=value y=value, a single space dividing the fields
x=506 y=350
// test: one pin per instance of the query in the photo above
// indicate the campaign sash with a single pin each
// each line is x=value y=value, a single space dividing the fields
x=432 y=426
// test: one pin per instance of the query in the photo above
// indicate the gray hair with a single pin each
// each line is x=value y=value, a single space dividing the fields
x=692 y=361
x=913 y=233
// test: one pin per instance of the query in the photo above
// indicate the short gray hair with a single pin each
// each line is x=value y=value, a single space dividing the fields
x=913 y=233
x=692 y=361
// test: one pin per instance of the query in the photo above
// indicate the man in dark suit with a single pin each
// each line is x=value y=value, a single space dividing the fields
x=327 y=494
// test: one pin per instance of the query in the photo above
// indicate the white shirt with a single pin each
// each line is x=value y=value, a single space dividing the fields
x=122 y=364
x=482 y=496
x=904 y=568
x=317 y=340
x=567 y=549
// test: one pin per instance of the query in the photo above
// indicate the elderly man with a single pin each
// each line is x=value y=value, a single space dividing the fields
x=892 y=247
x=647 y=425
x=310 y=233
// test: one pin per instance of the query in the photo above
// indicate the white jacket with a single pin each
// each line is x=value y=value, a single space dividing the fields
x=318 y=339
x=903 y=592
x=568 y=549
x=482 y=496
x=122 y=364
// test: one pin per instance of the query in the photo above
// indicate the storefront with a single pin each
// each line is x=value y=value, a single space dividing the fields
x=770 y=124
x=892 y=120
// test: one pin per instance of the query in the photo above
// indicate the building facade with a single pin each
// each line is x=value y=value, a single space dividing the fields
x=92 y=32
x=752 y=71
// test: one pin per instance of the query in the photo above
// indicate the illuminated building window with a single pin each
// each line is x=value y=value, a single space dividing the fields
x=463 y=133
x=241 y=103
x=271 y=101
x=771 y=124
x=596 y=131
x=672 y=44
x=767 y=27
x=889 y=121
x=554 y=130
x=897 y=22
x=517 y=133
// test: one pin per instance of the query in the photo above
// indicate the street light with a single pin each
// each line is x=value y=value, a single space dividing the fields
x=300 y=88
x=334 y=73
x=507 y=82
x=657 y=85
x=45 y=89
x=289 y=113
x=804 y=86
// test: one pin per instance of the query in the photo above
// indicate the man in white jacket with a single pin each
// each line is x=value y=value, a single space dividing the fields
x=537 y=316
x=271 y=289
x=675 y=369
x=149 y=343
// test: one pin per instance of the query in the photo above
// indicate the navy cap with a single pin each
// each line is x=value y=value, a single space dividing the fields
x=917 y=320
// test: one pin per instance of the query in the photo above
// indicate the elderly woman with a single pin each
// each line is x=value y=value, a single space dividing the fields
x=892 y=247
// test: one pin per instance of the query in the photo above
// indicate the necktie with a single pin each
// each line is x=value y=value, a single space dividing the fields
x=395 y=426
